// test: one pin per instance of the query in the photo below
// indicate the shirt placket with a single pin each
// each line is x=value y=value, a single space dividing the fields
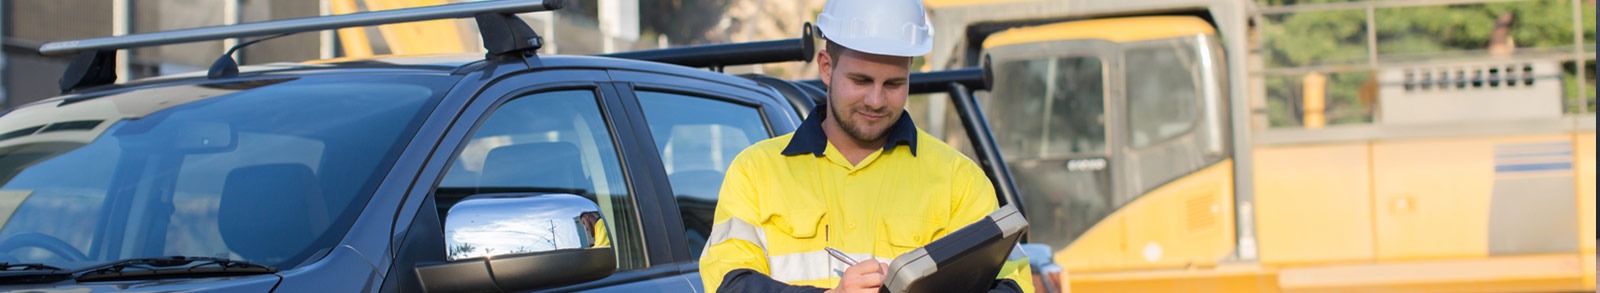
x=854 y=212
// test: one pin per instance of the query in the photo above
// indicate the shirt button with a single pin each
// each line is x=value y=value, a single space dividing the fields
x=852 y=226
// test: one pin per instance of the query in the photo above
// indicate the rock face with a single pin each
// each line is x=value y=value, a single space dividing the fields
x=694 y=22
x=758 y=20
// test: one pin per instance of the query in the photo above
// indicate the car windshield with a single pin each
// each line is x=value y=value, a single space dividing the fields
x=270 y=171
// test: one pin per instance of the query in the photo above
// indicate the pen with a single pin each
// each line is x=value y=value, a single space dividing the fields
x=839 y=255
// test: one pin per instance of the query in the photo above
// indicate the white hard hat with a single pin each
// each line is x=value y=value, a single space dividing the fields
x=883 y=27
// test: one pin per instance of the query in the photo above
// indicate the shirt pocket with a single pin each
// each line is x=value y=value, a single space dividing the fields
x=905 y=233
x=797 y=223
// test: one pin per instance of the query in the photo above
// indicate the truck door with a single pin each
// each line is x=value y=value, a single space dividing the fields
x=1050 y=104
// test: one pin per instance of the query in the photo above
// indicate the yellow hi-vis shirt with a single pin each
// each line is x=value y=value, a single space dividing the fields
x=786 y=198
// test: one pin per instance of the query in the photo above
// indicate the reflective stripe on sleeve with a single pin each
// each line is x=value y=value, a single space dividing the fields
x=813 y=265
x=735 y=228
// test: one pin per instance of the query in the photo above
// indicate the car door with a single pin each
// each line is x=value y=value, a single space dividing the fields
x=697 y=126
x=564 y=129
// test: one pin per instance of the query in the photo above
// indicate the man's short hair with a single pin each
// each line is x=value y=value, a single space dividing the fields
x=834 y=50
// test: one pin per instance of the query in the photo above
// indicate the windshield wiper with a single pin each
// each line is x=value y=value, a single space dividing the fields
x=14 y=273
x=171 y=266
x=132 y=269
x=14 y=267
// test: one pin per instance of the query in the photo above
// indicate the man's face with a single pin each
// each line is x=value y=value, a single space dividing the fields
x=866 y=92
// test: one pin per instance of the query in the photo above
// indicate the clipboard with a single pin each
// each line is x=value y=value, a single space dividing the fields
x=967 y=260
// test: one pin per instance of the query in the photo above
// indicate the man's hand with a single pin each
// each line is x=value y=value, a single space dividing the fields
x=866 y=276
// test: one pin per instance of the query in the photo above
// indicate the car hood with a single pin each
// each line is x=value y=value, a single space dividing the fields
x=257 y=283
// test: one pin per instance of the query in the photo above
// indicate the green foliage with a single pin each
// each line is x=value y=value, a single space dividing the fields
x=1431 y=29
x=1342 y=99
x=1283 y=108
x=1569 y=84
x=1344 y=105
x=462 y=250
x=1588 y=21
x=1316 y=38
x=1339 y=37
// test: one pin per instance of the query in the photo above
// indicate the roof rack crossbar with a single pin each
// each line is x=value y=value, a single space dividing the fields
x=498 y=26
x=720 y=55
x=972 y=78
x=460 y=10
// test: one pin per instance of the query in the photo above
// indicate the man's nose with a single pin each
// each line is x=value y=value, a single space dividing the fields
x=877 y=98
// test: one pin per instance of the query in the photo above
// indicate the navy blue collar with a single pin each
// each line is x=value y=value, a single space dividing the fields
x=809 y=138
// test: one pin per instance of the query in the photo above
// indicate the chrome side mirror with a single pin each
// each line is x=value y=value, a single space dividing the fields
x=521 y=241
x=489 y=225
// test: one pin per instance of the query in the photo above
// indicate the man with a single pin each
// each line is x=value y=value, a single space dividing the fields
x=856 y=176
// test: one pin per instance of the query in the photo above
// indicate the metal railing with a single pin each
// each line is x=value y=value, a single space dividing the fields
x=1578 y=53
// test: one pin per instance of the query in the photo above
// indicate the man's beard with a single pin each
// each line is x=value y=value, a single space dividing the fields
x=850 y=128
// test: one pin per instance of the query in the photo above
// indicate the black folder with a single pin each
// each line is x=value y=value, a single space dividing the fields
x=967 y=260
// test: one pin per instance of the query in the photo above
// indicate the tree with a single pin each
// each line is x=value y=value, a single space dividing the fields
x=1339 y=37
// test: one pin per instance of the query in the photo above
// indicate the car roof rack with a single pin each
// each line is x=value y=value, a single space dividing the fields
x=718 y=56
x=504 y=35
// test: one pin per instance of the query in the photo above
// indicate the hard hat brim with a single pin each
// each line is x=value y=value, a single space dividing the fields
x=879 y=46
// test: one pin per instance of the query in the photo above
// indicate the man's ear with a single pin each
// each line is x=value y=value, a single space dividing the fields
x=824 y=67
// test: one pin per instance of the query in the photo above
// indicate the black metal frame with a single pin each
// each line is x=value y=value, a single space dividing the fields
x=720 y=55
x=984 y=144
x=975 y=78
x=505 y=36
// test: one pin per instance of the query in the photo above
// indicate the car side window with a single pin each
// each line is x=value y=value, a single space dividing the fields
x=698 y=138
x=549 y=142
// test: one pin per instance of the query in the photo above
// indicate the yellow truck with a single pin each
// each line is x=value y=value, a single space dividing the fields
x=1142 y=138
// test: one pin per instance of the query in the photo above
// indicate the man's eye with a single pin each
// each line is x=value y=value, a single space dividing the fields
x=860 y=81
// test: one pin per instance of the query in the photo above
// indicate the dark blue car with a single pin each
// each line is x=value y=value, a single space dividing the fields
x=502 y=172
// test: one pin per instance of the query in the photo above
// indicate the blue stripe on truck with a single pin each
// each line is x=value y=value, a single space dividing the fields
x=1533 y=167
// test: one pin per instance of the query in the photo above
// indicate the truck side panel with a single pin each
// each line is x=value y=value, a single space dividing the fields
x=1314 y=203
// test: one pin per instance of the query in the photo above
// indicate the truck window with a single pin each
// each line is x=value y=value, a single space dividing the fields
x=698 y=138
x=1062 y=100
x=1163 y=87
x=1054 y=139
x=553 y=142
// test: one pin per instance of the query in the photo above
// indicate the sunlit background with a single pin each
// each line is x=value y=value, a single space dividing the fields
x=583 y=27
x=1212 y=145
